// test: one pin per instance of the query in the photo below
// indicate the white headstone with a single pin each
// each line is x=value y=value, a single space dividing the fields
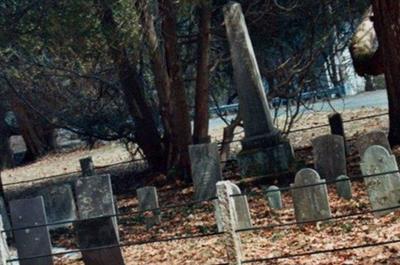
x=383 y=190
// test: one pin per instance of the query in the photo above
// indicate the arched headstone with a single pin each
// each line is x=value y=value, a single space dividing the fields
x=274 y=197
x=329 y=156
x=383 y=190
x=376 y=137
x=310 y=203
x=343 y=187
x=241 y=208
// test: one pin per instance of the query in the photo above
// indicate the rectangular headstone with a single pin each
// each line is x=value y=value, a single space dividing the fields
x=376 y=137
x=33 y=241
x=383 y=190
x=329 y=156
x=310 y=203
x=148 y=200
x=206 y=169
x=95 y=199
x=59 y=204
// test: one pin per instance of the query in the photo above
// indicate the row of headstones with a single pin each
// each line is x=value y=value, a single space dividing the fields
x=329 y=152
x=310 y=194
x=96 y=228
x=92 y=211
x=329 y=160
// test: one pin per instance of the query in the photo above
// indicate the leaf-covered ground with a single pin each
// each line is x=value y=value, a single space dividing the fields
x=350 y=231
x=269 y=243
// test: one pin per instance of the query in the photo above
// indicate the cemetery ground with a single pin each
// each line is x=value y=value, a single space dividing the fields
x=199 y=218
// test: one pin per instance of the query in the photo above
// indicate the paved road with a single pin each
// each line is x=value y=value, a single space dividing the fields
x=366 y=99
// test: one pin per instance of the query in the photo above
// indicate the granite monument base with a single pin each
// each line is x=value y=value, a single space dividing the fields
x=267 y=160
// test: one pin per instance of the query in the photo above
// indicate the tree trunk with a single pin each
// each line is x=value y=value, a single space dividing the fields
x=33 y=131
x=387 y=26
x=181 y=133
x=200 y=133
x=146 y=132
x=161 y=79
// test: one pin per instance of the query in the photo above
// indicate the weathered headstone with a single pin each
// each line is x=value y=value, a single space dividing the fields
x=31 y=242
x=148 y=200
x=383 y=190
x=329 y=156
x=310 y=203
x=87 y=166
x=206 y=169
x=95 y=200
x=228 y=218
x=262 y=138
x=375 y=137
x=59 y=204
x=241 y=208
x=343 y=187
x=274 y=197
x=4 y=251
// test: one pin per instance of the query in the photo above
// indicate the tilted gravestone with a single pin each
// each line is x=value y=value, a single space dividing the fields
x=375 y=137
x=241 y=208
x=343 y=187
x=148 y=200
x=95 y=200
x=206 y=170
x=274 y=197
x=329 y=156
x=31 y=242
x=310 y=203
x=383 y=190
x=59 y=204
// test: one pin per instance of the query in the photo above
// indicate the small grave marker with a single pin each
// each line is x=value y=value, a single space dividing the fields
x=343 y=187
x=274 y=197
x=383 y=190
x=31 y=242
x=206 y=169
x=310 y=203
x=148 y=200
x=329 y=156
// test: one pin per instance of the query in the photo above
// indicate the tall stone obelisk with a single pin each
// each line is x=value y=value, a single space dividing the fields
x=264 y=150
